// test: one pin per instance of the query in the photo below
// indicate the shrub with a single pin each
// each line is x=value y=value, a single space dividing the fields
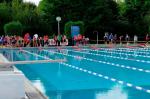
x=13 y=28
x=71 y=23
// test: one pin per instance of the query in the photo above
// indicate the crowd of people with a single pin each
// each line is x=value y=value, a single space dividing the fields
x=80 y=39
x=35 y=41
x=110 y=38
x=57 y=40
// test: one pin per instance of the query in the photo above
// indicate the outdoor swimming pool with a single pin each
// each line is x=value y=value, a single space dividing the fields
x=119 y=73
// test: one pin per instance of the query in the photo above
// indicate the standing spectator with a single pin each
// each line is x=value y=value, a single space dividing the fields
x=79 y=38
x=17 y=41
x=127 y=38
x=64 y=39
x=41 y=42
x=120 y=38
x=115 y=38
x=5 y=40
x=135 y=39
x=59 y=37
x=55 y=39
x=46 y=43
x=75 y=40
x=87 y=40
x=1 y=41
x=20 y=41
x=83 y=40
x=35 y=40
x=111 y=38
x=105 y=38
x=13 y=40
x=25 y=39
x=147 y=38
x=36 y=36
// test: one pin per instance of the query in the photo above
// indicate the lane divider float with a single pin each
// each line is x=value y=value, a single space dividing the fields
x=98 y=75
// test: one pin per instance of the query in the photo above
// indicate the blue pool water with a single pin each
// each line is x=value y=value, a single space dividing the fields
x=87 y=74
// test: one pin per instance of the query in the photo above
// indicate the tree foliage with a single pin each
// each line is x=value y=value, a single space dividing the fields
x=131 y=16
x=13 y=28
x=68 y=27
x=135 y=12
x=5 y=15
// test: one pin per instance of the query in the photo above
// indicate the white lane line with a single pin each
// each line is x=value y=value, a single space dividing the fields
x=118 y=53
x=97 y=74
x=44 y=57
x=103 y=62
x=115 y=57
x=139 y=49
x=131 y=51
x=127 y=50
x=109 y=78
x=138 y=87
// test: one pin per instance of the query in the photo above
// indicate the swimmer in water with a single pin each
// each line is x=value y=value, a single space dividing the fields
x=20 y=48
x=78 y=57
x=94 y=48
x=130 y=59
x=40 y=48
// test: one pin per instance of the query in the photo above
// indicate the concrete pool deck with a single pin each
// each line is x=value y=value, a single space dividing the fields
x=17 y=78
x=123 y=45
x=32 y=92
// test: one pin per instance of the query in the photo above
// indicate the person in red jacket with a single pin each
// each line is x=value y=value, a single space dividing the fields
x=79 y=39
x=26 y=39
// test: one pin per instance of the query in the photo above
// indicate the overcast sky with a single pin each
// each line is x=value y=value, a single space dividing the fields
x=34 y=1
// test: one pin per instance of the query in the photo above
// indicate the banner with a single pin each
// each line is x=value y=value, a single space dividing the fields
x=75 y=30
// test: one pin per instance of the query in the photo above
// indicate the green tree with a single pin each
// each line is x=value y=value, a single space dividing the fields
x=46 y=20
x=68 y=10
x=7 y=1
x=27 y=14
x=68 y=27
x=135 y=13
x=96 y=14
x=13 y=28
x=5 y=15
x=147 y=22
x=101 y=15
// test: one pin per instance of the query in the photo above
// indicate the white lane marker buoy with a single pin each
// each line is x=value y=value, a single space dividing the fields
x=115 y=57
x=117 y=53
x=109 y=78
x=116 y=65
x=99 y=75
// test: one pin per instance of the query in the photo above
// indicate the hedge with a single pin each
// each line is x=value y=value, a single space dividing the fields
x=71 y=23
x=13 y=28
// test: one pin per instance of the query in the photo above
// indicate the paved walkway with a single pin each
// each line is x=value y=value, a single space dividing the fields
x=32 y=92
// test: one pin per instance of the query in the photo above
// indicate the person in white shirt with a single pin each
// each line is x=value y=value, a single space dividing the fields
x=135 y=39
x=35 y=36
x=35 y=40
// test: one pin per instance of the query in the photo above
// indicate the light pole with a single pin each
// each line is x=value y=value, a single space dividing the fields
x=58 y=19
x=97 y=36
